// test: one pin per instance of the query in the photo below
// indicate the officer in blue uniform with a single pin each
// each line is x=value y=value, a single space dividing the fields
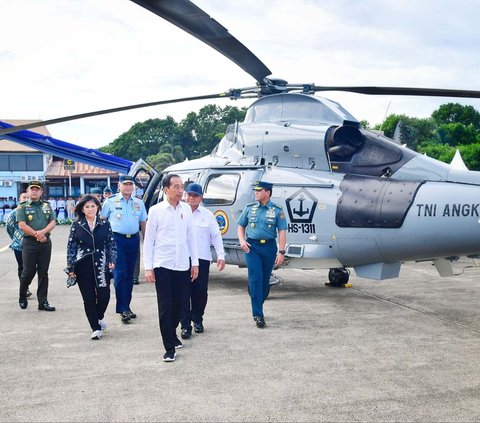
x=97 y=193
x=126 y=214
x=257 y=232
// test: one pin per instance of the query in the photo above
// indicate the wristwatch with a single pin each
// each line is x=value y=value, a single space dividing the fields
x=282 y=252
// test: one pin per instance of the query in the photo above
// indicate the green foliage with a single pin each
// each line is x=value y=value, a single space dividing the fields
x=364 y=124
x=160 y=161
x=456 y=113
x=413 y=131
x=451 y=126
x=164 y=141
x=440 y=152
x=457 y=133
x=471 y=155
x=143 y=139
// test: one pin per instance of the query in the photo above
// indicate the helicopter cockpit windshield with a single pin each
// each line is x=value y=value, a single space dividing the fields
x=298 y=108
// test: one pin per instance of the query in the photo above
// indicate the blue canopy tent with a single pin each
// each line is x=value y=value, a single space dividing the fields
x=67 y=150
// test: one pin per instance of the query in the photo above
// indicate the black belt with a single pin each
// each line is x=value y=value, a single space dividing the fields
x=126 y=235
x=261 y=241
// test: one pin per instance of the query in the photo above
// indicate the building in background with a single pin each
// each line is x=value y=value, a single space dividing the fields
x=82 y=179
x=20 y=164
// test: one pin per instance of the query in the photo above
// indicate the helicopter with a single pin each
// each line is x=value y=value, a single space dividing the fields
x=353 y=198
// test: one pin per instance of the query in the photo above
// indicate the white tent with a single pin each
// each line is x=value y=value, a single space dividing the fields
x=457 y=162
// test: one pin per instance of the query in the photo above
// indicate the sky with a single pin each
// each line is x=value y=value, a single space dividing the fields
x=63 y=57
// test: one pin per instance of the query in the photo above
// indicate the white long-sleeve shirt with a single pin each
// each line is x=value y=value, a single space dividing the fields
x=207 y=233
x=170 y=239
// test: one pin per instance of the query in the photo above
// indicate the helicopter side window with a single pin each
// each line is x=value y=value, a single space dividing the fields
x=220 y=190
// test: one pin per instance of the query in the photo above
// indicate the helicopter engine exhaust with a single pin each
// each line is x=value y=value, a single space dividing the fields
x=343 y=141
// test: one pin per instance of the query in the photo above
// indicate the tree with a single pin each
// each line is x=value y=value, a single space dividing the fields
x=201 y=132
x=194 y=136
x=160 y=161
x=440 y=152
x=471 y=155
x=414 y=131
x=457 y=134
x=143 y=139
x=456 y=113
x=364 y=124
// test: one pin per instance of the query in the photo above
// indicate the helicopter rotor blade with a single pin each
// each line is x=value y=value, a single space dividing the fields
x=228 y=94
x=424 y=92
x=189 y=17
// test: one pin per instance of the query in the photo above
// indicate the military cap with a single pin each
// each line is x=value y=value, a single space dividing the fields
x=259 y=185
x=35 y=184
x=96 y=191
x=107 y=190
x=126 y=179
x=195 y=189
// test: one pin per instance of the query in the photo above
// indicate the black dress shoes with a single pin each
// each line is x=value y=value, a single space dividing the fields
x=260 y=321
x=125 y=317
x=46 y=307
x=186 y=334
x=23 y=302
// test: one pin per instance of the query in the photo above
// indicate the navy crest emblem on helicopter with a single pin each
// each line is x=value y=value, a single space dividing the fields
x=222 y=220
x=301 y=206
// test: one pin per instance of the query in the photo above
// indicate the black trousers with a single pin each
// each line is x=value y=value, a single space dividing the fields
x=95 y=299
x=36 y=259
x=18 y=257
x=170 y=285
x=195 y=296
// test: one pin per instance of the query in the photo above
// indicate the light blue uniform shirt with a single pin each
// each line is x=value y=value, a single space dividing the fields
x=262 y=222
x=124 y=217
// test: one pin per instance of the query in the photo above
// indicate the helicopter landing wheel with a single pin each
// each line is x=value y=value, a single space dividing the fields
x=338 y=277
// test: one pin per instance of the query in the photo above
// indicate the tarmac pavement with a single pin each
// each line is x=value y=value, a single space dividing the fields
x=405 y=349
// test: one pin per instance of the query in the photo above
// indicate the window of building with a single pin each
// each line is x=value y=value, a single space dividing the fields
x=221 y=189
x=34 y=162
x=55 y=191
x=21 y=162
x=4 y=162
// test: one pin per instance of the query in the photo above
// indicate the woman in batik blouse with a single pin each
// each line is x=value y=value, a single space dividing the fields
x=91 y=256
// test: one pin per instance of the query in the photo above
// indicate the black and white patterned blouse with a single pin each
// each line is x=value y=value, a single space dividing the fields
x=99 y=243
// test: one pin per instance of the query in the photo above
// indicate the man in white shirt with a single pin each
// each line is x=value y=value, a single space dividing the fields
x=207 y=233
x=53 y=204
x=168 y=249
x=61 y=203
x=61 y=209
x=70 y=205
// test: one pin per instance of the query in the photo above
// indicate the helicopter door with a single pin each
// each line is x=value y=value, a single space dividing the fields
x=146 y=179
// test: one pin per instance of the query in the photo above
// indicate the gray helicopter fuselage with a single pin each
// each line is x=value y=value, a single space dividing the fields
x=352 y=198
